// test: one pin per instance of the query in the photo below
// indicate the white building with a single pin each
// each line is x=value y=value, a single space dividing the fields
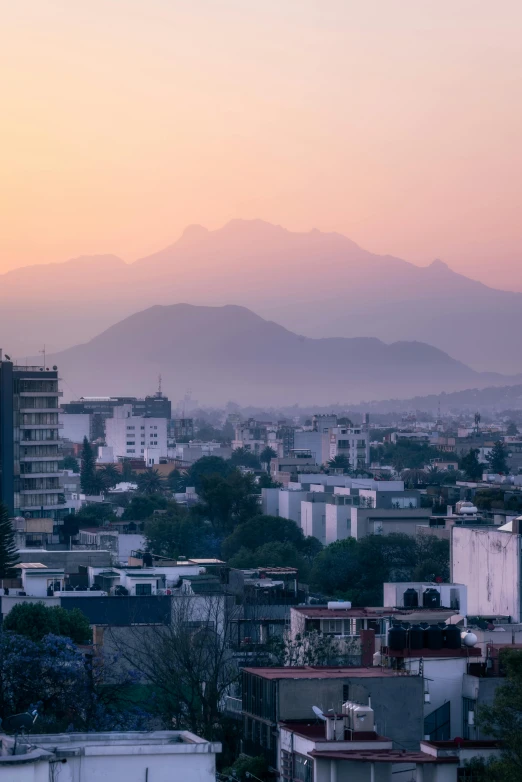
x=158 y=756
x=352 y=442
x=487 y=561
x=130 y=435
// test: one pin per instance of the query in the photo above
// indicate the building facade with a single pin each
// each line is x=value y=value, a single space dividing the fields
x=131 y=435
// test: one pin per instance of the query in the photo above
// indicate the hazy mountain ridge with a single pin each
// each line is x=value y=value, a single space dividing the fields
x=229 y=352
x=318 y=284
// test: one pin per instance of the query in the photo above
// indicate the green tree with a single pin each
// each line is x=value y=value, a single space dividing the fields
x=205 y=467
x=241 y=457
x=150 y=482
x=36 y=620
x=336 y=568
x=175 y=482
x=274 y=554
x=95 y=514
x=261 y=530
x=109 y=475
x=245 y=766
x=502 y=720
x=69 y=463
x=497 y=458
x=88 y=470
x=414 y=477
x=8 y=552
x=340 y=462
x=227 y=501
x=266 y=456
x=142 y=507
x=179 y=534
x=433 y=559
x=470 y=465
x=265 y=481
x=512 y=429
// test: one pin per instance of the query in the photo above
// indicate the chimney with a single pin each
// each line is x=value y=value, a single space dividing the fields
x=367 y=647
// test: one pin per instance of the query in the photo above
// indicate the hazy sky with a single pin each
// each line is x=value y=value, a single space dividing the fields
x=396 y=122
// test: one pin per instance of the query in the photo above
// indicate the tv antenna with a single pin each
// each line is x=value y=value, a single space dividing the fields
x=158 y=393
x=43 y=351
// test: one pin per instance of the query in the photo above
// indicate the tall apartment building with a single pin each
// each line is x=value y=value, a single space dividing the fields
x=130 y=435
x=29 y=439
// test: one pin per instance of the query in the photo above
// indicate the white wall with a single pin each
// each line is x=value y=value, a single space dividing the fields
x=290 y=505
x=313 y=520
x=338 y=522
x=270 y=501
x=130 y=435
x=488 y=563
x=444 y=677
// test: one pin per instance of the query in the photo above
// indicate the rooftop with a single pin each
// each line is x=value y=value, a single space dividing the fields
x=383 y=756
x=323 y=672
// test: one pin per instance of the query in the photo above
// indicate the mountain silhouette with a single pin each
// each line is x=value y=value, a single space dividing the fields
x=318 y=284
x=229 y=352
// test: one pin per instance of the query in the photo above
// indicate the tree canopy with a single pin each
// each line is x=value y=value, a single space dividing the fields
x=36 y=620
x=8 y=552
x=497 y=458
x=261 y=530
x=470 y=465
x=89 y=482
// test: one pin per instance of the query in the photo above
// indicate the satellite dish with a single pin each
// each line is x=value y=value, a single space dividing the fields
x=18 y=723
x=318 y=712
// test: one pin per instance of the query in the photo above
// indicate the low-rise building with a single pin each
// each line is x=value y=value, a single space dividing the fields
x=160 y=756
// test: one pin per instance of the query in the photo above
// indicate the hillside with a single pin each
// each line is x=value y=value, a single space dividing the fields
x=317 y=284
x=223 y=353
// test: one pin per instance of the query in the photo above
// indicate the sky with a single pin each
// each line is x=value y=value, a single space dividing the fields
x=395 y=122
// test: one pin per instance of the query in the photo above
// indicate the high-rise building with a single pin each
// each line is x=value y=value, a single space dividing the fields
x=29 y=440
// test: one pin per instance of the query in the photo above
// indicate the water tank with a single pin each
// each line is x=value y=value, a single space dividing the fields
x=431 y=598
x=452 y=637
x=147 y=559
x=344 y=604
x=433 y=637
x=468 y=639
x=416 y=637
x=363 y=719
x=411 y=598
x=396 y=638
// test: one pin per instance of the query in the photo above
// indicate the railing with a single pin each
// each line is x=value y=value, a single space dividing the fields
x=233 y=705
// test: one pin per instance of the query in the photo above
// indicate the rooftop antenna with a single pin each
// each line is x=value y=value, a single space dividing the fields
x=477 y=423
x=43 y=351
x=158 y=394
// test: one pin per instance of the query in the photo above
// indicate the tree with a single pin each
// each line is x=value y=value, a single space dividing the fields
x=339 y=462
x=336 y=568
x=433 y=559
x=36 y=620
x=8 y=551
x=266 y=456
x=109 y=475
x=435 y=476
x=227 y=501
x=273 y=554
x=414 y=477
x=142 y=507
x=188 y=662
x=69 y=463
x=265 y=481
x=241 y=457
x=502 y=720
x=261 y=530
x=150 y=482
x=497 y=458
x=471 y=466
x=179 y=534
x=88 y=470
x=175 y=482
x=71 y=690
x=512 y=429
x=205 y=467
x=95 y=514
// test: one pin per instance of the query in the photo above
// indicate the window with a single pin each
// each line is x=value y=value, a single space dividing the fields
x=131 y=442
x=303 y=768
x=437 y=724
x=131 y=427
x=143 y=589
x=468 y=705
x=131 y=450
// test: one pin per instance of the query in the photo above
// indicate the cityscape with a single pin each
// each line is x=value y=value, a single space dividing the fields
x=261 y=488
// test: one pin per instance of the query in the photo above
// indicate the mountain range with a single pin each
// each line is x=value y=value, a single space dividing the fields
x=317 y=284
x=230 y=353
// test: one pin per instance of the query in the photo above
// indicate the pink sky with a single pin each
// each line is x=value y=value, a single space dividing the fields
x=395 y=122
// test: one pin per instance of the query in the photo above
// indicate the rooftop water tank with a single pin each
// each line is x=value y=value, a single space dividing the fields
x=431 y=598
x=363 y=719
x=452 y=638
x=416 y=637
x=469 y=639
x=433 y=637
x=396 y=638
x=411 y=598
x=336 y=604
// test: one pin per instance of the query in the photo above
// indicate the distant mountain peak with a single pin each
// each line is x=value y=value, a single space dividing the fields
x=438 y=265
x=194 y=233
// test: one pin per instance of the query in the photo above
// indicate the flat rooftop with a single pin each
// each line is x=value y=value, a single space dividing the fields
x=323 y=672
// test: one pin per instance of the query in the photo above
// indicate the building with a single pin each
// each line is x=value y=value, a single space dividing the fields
x=413 y=595
x=352 y=442
x=272 y=695
x=130 y=435
x=29 y=442
x=160 y=756
x=181 y=428
x=99 y=408
x=346 y=747
x=383 y=521
x=76 y=426
x=487 y=561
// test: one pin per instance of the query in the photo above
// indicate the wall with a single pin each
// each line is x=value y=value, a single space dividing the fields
x=444 y=678
x=396 y=700
x=338 y=522
x=270 y=501
x=488 y=562
x=313 y=520
x=383 y=522
x=290 y=505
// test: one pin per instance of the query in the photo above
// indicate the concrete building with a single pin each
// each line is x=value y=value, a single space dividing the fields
x=316 y=443
x=129 y=435
x=272 y=695
x=352 y=442
x=158 y=756
x=29 y=442
x=413 y=594
x=382 y=521
x=188 y=453
x=487 y=561
x=102 y=407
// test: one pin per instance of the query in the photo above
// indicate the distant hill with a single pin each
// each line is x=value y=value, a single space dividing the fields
x=471 y=400
x=223 y=353
x=317 y=284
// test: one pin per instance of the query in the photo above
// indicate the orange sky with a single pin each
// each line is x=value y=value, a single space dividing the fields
x=396 y=122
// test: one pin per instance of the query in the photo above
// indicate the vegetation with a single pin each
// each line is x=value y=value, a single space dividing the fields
x=178 y=533
x=150 y=482
x=226 y=501
x=89 y=482
x=406 y=454
x=243 y=458
x=36 y=620
x=502 y=720
x=69 y=463
x=356 y=569
x=497 y=458
x=109 y=475
x=470 y=465
x=95 y=515
x=266 y=456
x=339 y=462
x=8 y=552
